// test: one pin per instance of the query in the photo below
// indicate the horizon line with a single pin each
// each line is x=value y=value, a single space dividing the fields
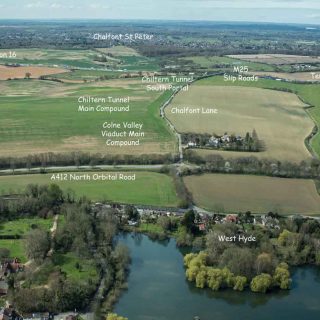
x=158 y=20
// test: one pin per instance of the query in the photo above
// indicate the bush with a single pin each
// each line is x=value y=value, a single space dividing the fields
x=261 y=283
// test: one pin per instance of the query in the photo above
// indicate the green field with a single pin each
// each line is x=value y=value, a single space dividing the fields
x=57 y=126
x=86 y=75
x=19 y=228
x=278 y=117
x=119 y=51
x=137 y=63
x=149 y=228
x=210 y=62
x=148 y=188
x=51 y=57
x=22 y=226
x=126 y=59
x=67 y=262
x=241 y=193
x=15 y=247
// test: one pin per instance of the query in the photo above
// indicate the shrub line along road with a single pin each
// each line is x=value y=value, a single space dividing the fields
x=170 y=124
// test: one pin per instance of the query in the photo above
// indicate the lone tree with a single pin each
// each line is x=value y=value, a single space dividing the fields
x=37 y=244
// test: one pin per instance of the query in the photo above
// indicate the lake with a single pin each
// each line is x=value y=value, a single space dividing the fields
x=158 y=290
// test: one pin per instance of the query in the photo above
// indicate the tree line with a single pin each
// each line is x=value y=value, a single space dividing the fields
x=45 y=160
x=251 y=165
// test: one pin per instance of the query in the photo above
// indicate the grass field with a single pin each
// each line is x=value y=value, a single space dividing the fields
x=51 y=57
x=36 y=88
x=57 y=126
x=86 y=75
x=208 y=62
x=68 y=262
x=15 y=247
x=148 y=188
x=22 y=226
x=125 y=59
x=310 y=93
x=120 y=51
x=149 y=228
x=240 y=193
x=278 y=117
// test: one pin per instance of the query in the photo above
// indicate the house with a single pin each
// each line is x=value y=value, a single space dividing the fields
x=213 y=141
x=132 y=223
x=225 y=138
x=191 y=144
x=7 y=267
x=39 y=316
x=8 y=313
x=270 y=222
x=5 y=314
x=231 y=218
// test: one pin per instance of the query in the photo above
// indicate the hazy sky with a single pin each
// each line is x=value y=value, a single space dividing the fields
x=292 y=11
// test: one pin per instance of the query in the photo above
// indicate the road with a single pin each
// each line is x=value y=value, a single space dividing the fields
x=170 y=124
x=79 y=168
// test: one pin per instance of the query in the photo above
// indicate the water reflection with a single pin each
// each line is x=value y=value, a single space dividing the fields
x=158 y=290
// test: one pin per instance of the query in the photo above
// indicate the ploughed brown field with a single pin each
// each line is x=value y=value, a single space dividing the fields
x=7 y=72
x=258 y=194
x=311 y=76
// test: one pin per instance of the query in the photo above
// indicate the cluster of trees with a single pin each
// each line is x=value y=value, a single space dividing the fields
x=280 y=279
x=37 y=200
x=188 y=232
x=115 y=277
x=183 y=229
x=37 y=244
x=251 y=165
x=131 y=213
x=45 y=160
x=100 y=58
x=44 y=285
x=185 y=198
x=58 y=292
x=250 y=142
x=204 y=275
x=263 y=263
x=299 y=243
x=62 y=295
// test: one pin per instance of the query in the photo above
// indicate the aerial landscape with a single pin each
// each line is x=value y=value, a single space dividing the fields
x=159 y=160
